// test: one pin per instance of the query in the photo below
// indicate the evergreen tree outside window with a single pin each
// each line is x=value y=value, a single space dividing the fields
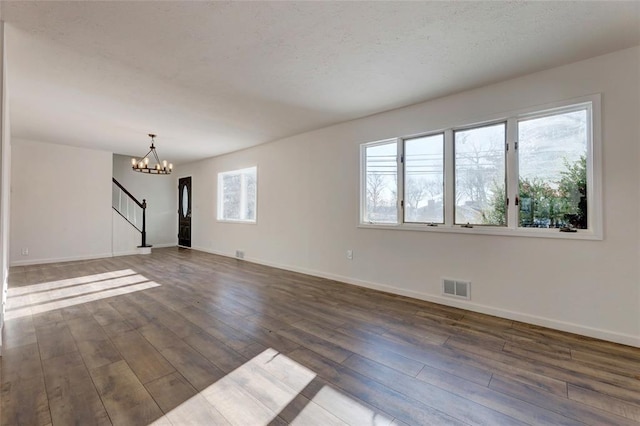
x=553 y=170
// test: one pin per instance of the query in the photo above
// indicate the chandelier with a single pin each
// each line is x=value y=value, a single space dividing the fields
x=142 y=165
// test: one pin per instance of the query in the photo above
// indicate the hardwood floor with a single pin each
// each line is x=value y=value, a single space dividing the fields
x=182 y=337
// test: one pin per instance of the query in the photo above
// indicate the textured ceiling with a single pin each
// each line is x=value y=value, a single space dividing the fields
x=215 y=77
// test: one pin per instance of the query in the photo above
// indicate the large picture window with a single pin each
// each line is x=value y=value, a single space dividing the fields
x=534 y=172
x=237 y=195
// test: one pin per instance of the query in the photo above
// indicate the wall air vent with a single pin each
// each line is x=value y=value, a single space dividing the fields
x=456 y=288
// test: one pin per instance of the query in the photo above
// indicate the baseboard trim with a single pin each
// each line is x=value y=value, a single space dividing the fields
x=76 y=258
x=125 y=253
x=611 y=336
x=164 y=245
x=59 y=259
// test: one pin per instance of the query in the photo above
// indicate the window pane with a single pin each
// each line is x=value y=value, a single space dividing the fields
x=480 y=175
x=231 y=196
x=382 y=183
x=553 y=170
x=237 y=194
x=424 y=179
x=250 y=180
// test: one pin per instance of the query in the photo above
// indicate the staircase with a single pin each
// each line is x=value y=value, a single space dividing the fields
x=133 y=211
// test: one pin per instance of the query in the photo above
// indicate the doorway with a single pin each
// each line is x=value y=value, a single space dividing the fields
x=184 y=211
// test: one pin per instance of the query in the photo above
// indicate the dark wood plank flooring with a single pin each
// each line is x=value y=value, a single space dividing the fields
x=181 y=337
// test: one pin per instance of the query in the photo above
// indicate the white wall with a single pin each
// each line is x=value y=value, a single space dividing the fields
x=308 y=211
x=161 y=195
x=60 y=203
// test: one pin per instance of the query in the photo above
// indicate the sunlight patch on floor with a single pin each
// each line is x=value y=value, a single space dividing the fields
x=262 y=388
x=257 y=391
x=85 y=279
x=342 y=407
x=45 y=297
x=77 y=290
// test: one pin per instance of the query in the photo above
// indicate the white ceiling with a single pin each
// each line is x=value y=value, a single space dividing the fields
x=214 y=77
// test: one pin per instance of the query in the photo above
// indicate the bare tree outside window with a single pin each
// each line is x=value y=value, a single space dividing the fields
x=550 y=168
x=424 y=179
x=381 y=180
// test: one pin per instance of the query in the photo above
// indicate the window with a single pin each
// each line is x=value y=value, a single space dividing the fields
x=553 y=152
x=237 y=191
x=424 y=179
x=534 y=172
x=480 y=175
x=381 y=176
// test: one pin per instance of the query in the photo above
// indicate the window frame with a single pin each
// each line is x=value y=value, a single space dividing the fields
x=220 y=195
x=595 y=218
x=363 y=179
x=573 y=107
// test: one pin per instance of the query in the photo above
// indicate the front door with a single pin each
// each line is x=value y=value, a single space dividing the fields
x=184 y=211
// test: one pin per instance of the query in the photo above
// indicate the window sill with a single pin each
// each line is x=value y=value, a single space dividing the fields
x=242 y=222
x=489 y=230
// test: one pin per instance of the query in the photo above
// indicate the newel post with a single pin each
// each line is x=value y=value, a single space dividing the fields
x=144 y=223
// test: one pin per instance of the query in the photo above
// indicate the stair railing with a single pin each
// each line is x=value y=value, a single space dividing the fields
x=128 y=206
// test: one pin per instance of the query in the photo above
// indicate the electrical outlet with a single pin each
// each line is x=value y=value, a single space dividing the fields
x=25 y=252
x=350 y=254
x=240 y=254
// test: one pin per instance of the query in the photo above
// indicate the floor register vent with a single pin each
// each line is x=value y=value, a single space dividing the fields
x=456 y=288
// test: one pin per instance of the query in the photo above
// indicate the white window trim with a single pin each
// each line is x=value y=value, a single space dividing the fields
x=220 y=207
x=594 y=177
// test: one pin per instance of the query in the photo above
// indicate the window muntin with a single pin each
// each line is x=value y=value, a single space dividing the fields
x=480 y=173
x=424 y=179
x=237 y=194
x=553 y=151
x=381 y=183
x=503 y=214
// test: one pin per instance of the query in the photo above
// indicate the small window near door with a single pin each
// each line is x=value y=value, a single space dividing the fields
x=237 y=195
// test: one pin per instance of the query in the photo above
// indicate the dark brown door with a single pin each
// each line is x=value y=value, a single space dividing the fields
x=184 y=212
